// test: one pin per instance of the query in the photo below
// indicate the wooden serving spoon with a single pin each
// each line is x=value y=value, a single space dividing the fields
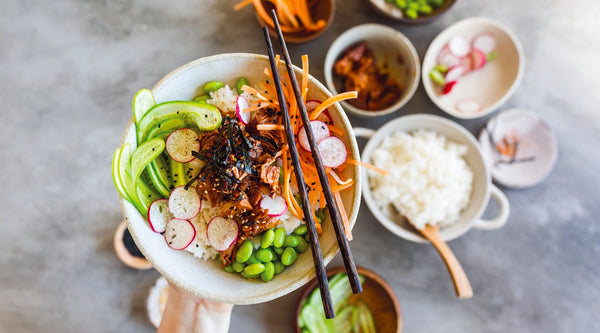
x=462 y=286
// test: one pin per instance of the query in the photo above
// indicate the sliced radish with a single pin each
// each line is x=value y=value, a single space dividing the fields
x=241 y=104
x=275 y=206
x=459 y=46
x=181 y=143
x=484 y=43
x=448 y=87
x=468 y=106
x=454 y=73
x=446 y=58
x=467 y=63
x=312 y=104
x=477 y=58
x=179 y=234
x=332 y=151
x=319 y=130
x=184 y=204
x=222 y=232
x=159 y=215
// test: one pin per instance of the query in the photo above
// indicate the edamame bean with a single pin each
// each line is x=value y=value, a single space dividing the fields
x=238 y=266
x=279 y=267
x=241 y=82
x=229 y=269
x=264 y=255
x=307 y=238
x=213 y=86
x=252 y=260
x=289 y=256
x=302 y=245
x=278 y=250
x=301 y=230
x=244 y=251
x=202 y=98
x=291 y=241
x=249 y=276
x=254 y=269
x=279 y=237
x=268 y=273
x=267 y=238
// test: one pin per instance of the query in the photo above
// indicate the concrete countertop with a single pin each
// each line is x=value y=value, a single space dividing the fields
x=70 y=69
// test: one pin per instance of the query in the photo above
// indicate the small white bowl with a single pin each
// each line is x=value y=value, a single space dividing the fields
x=482 y=188
x=388 y=45
x=207 y=279
x=490 y=85
x=535 y=151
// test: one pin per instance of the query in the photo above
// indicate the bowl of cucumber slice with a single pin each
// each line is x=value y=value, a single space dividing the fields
x=175 y=99
x=376 y=309
x=413 y=11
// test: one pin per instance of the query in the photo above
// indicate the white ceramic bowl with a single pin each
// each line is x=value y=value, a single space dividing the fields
x=388 y=45
x=482 y=184
x=490 y=85
x=207 y=279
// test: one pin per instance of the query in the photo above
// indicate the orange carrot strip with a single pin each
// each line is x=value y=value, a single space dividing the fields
x=304 y=86
x=341 y=187
x=255 y=92
x=366 y=165
x=269 y=127
x=242 y=4
x=345 y=221
x=260 y=10
x=336 y=130
x=330 y=101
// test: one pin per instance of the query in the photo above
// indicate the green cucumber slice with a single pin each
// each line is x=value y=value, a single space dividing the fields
x=365 y=318
x=314 y=318
x=115 y=176
x=145 y=154
x=162 y=130
x=142 y=102
x=146 y=194
x=342 y=323
x=204 y=116
x=124 y=174
x=155 y=179
x=161 y=178
x=177 y=173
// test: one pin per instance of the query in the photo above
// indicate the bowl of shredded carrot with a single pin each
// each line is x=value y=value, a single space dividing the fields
x=207 y=278
x=300 y=20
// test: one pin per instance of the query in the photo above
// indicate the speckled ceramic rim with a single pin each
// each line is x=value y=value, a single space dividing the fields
x=395 y=37
x=481 y=173
x=444 y=36
x=298 y=280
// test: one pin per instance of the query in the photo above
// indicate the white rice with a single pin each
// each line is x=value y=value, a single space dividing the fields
x=200 y=247
x=428 y=181
x=224 y=99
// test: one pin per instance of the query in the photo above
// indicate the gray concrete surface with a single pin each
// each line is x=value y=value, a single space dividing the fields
x=70 y=68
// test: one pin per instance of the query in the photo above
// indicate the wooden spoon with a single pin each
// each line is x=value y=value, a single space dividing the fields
x=462 y=286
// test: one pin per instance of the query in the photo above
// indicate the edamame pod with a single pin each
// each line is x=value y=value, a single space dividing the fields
x=238 y=266
x=229 y=269
x=279 y=237
x=302 y=245
x=268 y=273
x=291 y=241
x=289 y=256
x=213 y=86
x=254 y=269
x=264 y=255
x=244 y=251
x=241 y=82
x=301 y=230
x=279 y=267
x=267 y=238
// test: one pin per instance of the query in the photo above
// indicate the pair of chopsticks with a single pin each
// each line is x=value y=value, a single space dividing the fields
x=331 y=203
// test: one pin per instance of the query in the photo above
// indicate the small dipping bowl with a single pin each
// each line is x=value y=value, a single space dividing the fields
x=126 y=249
x=391 y=49
x=482 y=187
x=377 y=294
x=319 y=10
x=390 y=10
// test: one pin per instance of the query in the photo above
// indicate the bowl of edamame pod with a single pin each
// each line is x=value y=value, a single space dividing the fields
x=208 y=278
x=413 y=11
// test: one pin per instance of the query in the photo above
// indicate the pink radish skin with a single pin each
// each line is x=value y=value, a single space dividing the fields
x=180 y=144
x=478 y=59
x=459 y=46
x=332 y=151
x=446 y=58
x=222 y=232
x=184 y=204
x=468 y=106
x=159 y=215
x=312 y=104
x=484 y=43
x=275 y=206
x=324 y=116
x=454 y=73
x=241 y=104
x=319 y=130
x=448 y=87
x=179 y=234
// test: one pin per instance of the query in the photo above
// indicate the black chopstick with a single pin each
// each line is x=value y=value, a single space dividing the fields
x=308 y=216
x=331 y=204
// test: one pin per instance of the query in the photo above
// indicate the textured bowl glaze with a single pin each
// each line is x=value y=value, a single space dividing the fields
x=207 y=279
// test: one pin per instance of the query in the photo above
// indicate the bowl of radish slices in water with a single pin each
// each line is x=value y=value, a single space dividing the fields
x=206 y=183
x=472 y=67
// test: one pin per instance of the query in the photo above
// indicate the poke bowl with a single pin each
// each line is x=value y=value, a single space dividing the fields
x=207 y=278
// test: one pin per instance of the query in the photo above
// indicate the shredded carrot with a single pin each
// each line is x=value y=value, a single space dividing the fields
x=269 y=127
x=342 y=210
x=366 y=165
x=341 y=187
x=242 y=4
x=304 y=86
x=255 y=92
x=294 y=15
x=336 y=130
x=330 y=101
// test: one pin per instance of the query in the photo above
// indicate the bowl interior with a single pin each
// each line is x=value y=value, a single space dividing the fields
x=377 y=294
x=206 y=278
x=490 y=85
x=481 y=176
x=390 y=10
x=319 y=10
x=392 y=50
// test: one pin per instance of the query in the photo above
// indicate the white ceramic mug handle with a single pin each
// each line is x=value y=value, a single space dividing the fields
x=499 y=221
x=363 y=132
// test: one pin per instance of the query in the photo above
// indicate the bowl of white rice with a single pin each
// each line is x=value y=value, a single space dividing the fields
x=436 y=175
